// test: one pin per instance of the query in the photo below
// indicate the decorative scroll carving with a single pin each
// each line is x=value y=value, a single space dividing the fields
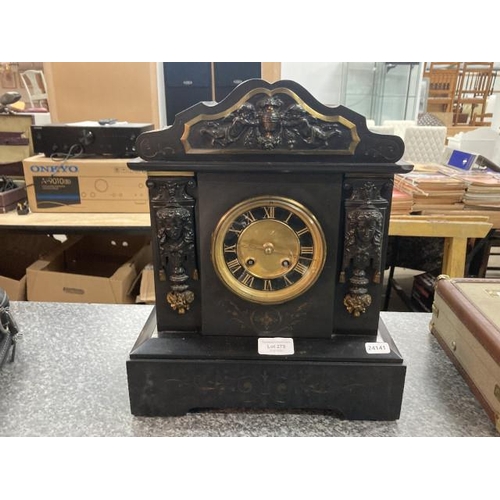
x=382 y=148
x=362 y=258
x=176 y=241
x=261 y=386
x=174 y=192
x=269 y=321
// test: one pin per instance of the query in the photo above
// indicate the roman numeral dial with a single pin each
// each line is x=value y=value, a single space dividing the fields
x=268 y=249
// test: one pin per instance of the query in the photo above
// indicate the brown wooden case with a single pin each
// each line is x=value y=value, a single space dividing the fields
x=466 y=323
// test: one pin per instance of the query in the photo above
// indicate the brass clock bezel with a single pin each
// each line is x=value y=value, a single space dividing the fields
x=269 y=296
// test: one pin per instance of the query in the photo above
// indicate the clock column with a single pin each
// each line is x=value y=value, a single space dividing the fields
x=173 y=224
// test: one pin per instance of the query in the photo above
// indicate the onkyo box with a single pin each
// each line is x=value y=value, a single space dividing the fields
x=84 y=185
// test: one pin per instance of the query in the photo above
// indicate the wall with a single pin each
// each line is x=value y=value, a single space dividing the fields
x=271 y=71
x=131 y=92
x=95 y=90
x=322 y=79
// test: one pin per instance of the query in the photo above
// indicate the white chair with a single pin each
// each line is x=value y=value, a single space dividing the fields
x=400 y=126
x=424 y=144
x=382 y=129
x=34 y=83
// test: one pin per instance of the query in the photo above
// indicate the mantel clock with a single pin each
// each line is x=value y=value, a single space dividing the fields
x=269 y=217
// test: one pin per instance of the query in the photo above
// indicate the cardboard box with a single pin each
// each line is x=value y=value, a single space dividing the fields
x=94 y=268
x=88 y=185
x=147 y=286
x=17 y=252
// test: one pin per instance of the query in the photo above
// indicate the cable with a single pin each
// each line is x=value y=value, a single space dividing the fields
x=6 y=184
x=69 y=155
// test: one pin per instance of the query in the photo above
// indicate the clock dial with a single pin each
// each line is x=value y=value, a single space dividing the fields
x=268 y=249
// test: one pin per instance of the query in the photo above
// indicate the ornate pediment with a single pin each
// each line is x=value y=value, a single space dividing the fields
x=259 y=118
x=270 y=120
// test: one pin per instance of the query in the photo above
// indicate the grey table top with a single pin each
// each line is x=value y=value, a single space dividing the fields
x=69 y=379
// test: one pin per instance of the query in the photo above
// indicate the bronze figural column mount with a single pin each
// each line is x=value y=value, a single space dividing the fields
x=362 y=246
x=269 y=215
x=176 y=242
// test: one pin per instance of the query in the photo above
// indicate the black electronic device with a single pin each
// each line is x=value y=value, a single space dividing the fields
x=89 y=138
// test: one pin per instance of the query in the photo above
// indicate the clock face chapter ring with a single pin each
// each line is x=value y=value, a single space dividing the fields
x=268 y=249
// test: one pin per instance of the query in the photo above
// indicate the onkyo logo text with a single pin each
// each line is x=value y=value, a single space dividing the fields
x=54 y=169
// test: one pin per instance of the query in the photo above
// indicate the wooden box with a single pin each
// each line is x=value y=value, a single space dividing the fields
x=466 y=323
x=9 y=199
x=15 y=138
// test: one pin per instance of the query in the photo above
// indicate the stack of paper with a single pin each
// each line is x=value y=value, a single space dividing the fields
x=432 y=190
x=483 y=191
x=401 y=202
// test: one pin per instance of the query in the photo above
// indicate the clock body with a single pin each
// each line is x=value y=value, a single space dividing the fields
x=269 y=218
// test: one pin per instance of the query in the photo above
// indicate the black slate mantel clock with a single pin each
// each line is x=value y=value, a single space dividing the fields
x=269 y=216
